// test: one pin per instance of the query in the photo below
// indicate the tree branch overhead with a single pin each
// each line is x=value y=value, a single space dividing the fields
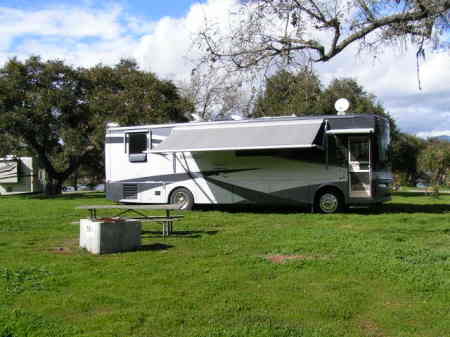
x=303 y=31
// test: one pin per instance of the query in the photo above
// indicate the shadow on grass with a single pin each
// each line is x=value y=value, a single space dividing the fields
x=412 y=194
x=379 y=209
x=281 y=209
x=254 y=208
x=403 y=208
x=155 y=247
x=175 y=233
x=65 y=196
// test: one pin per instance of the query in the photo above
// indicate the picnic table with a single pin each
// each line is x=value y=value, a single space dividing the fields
x=166 y=220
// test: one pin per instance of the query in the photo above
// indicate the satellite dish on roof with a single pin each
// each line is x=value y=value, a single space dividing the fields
x=342 y=105
x=196 y=117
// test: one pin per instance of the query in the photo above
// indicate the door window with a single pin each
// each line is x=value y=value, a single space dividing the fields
x=359 y=149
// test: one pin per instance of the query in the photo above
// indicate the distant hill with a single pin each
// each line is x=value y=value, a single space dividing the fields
x=446 y=138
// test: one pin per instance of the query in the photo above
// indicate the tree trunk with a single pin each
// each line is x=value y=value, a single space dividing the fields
x=53 y=187
x=75 y=180
x=55 y=179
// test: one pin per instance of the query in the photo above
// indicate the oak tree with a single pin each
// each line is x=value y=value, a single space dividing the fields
x=405 y=152
x=288 y=93
x=434 y=159
x=60 y=112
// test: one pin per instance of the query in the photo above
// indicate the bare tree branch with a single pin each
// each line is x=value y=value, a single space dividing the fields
x=389 y=20
x=318 y=30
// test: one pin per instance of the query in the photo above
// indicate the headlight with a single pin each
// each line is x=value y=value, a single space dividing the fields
x=383 y=185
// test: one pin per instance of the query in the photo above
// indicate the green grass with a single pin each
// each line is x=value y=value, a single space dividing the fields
x=363 y=273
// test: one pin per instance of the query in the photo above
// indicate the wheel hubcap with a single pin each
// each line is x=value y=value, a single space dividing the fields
x=328 y=203
x=180 y=198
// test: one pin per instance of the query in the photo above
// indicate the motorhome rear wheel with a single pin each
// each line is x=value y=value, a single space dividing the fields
x=182 y=196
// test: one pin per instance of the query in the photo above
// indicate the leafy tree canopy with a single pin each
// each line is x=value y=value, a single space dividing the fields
x=59 y=112
x=405 y=152
x=302 y=93
x=434 y=160
x=288 y=93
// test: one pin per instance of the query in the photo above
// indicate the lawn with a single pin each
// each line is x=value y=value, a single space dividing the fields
x=230 y=272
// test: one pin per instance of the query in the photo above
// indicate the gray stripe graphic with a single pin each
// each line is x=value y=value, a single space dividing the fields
x=161 y=131
x=114 y=140
x=171 y=178
x=249 y=195
x=176 y=177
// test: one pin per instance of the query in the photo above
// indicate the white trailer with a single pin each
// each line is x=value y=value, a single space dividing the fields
x=20 y=175
x=327 y=162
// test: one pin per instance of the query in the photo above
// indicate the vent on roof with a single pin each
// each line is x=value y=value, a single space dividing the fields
x=130 y=191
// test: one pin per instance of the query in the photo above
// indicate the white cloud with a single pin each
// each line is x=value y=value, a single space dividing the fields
x=164 y=50
x=431 y=134
x=168 y=49
x=61 y=21
x=82 y=36
x=79 y=53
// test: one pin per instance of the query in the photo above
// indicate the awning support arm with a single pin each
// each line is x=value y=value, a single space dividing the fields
x=326 y=144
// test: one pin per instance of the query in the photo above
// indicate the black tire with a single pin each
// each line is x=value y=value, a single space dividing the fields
x=183 y=196
x=329 y=201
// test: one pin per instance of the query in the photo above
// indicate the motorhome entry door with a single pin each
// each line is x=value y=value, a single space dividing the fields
x=360 y=172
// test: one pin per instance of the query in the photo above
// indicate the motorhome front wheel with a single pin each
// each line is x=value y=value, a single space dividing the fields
x=328 y=201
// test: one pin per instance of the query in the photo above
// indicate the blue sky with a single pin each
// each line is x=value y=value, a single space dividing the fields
x=150 y=9
x=156 y=9
x=158 y=35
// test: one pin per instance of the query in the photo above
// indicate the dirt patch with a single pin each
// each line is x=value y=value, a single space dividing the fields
x=62 y=250
x=285 y=258
x=371 y=329
x=66 y=247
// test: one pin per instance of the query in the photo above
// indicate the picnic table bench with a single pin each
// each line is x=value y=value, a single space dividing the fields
x=166 y=220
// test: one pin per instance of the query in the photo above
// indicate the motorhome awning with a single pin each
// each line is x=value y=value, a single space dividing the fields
x=356 y=124
x=243 y=136
x=8 y=172
x=350 y=131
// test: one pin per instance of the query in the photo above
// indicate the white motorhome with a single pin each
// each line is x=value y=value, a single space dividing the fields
x=327 y=162
x=20 y=175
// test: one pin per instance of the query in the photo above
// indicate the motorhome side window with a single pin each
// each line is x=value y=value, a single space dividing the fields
x=137 y=146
